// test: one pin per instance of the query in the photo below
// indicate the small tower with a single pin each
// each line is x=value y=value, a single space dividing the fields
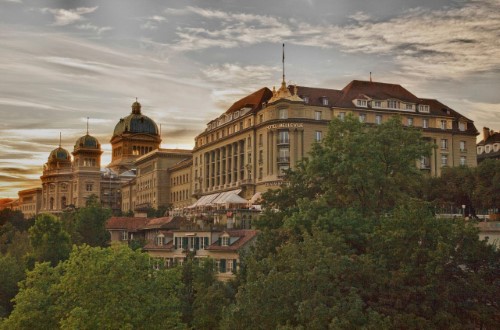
x=86 y=169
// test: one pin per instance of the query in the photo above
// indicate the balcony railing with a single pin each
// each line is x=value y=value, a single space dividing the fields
x=283 y=159
x=284 y=141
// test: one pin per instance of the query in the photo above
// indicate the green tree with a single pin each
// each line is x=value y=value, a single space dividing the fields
x=11 y=272
x=90 y=223
x=49 y=240
x=487 y=191
x=35 y=302
x=98 y=288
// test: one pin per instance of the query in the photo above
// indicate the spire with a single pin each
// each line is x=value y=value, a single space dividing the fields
x=370 y=76
x=87 y=125
x=60 y=138
x=283 y=60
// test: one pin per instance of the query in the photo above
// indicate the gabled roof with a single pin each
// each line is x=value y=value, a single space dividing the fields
x=125 y=223
x=245 y=236
x=374 y=90
x=253 y=101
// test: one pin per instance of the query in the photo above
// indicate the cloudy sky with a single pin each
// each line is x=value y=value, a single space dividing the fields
x=187 y=61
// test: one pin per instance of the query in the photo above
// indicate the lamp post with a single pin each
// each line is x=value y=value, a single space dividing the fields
x=463 y=210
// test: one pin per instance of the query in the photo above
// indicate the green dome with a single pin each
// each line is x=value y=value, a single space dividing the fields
x=59 y=154
x=136 y=123
x=87 y=142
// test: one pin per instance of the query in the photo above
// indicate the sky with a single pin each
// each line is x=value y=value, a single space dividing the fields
x=188 y=61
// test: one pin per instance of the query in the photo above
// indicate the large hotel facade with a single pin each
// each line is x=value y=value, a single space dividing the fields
x=248 y=147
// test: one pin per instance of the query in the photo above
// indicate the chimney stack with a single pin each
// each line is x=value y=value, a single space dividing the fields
x=486 y=133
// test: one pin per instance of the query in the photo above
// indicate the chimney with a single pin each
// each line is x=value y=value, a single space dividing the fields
x=486 y=133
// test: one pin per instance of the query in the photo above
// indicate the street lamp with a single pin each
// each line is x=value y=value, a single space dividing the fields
x=463 y=210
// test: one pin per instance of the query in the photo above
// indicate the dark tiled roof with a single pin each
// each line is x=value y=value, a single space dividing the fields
x=253 y=100
x=493 y=138
x=130 y=224
x=164 y=247
x=374 y=90
x=245 y=236
x=316 y=95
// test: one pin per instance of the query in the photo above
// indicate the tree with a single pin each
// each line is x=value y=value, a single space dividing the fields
x=36 y=300
x=90 y=223
x=98 y=288
x=11 y=272
x=487 y=192
x=49 y=240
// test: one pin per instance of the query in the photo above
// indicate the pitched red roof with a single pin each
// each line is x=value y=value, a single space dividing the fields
x=245 y=236
x=166 y=223
x=253 y=101
x=125 y=223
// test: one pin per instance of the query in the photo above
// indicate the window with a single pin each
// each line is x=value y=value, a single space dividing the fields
x=409 y=107
x=306 y=99
x=124 y=235
x=462 y=125
x=283 y=137
x=284 y=155
x=229 y=266
x=261 y=118
x=444 y=160
x=317 y=136
x=443 y=124
x=260 y=140
x=317 y=115
x=377 y=104
x=462 y=146
x=378 y=119
x=425 y=123
x=341 y=116
x=410 y=121
x=423 y=108
x=324 y=101
x=362 y=117
x=283 y=113
x=224 y=241
x=444 y=144
x=393 y=104
x=424 y=162
x=463 y=160
x=159 y=240
x=89 y=187
x=361 y=103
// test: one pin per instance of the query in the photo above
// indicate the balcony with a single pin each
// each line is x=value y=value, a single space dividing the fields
x=283 y=141
x=283 y=159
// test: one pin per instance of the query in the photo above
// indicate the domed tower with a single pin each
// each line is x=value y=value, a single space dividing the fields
x=134 y=136
x=56 y=181
x=86 y=169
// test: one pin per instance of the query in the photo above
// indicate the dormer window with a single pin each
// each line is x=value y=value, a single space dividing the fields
x=324 y=100
x=377 y=104
x=306 y=99
x=236 y=114
x=462 y=126
x=409 y=107
x=393 y=104
x=423 y=108
x=361 y=103
x=224 y=241
x=160 y=239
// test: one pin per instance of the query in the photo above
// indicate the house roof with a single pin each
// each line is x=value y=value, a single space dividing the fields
x=245 y=236
x=253 y=101
x=125 y=223
x=316 y=95
x=166 y=223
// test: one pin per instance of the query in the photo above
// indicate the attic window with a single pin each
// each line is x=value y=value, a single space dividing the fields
x=393 y=104
x=306 y=99
x=324 y=100
x=462 y=125
x=224 y=241
x=361 y=103
x=377 y=104
x=423 y=108
x=236 y=114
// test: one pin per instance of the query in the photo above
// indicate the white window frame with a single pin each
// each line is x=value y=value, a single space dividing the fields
x=409 y=121
x=362 y=117
x=378 y=119
x=443 y=124
x=444 y=160
x=463 y=160
x=341 y=116
x=318 y=135
x=444 y=144
x=317 y=115
x=463 y=146
x=425 y=123
x=361 y=103
x=282 y=113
